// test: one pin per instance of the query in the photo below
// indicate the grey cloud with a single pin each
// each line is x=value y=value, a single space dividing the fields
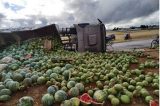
x=71 y=17
x=84 y=10
x=129 y=9
x=2 y=17
x=31 y=20
x=22 y=23
x=41 y=18
x=64 y=20
x=112 y=10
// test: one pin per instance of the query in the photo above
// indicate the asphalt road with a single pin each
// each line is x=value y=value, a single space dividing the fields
x=132 y=44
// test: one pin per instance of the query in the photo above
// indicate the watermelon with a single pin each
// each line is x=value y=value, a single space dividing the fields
x=133 y=82
x=99 y=84
x=115 y=101
x=49 y=72
x=112 y=91
x=2 y=87
x=131 y=88
x=75 y=101
x=54 y=75
x=144 y=92
x=128 y=93
x=27 y=81
x=145 y=83
x=118 y=87
x=90 y=92
x=155 y=81
x=71 y=84
x=14 y=66
x=60 y=96
x=110 y=97
x=57 y=69
x=63 y=83
x=66 y=103
x=6 y=81
x=28 y=75
x=41 y=80
x=73 y=92
x=17 y=77
x=80 y=86
x=26 y=101
x=34 y=78
x=99 y=96
x=148 y=98
x=155 y=85
x=51 y=90
x=138 y=88
x=125 y=84
x=156 y=92
x=5 y=92
x=63 y=69
x=13 y=86
x=148 y=79
x=66 y=74
x=64 y=88
x=4 y=98
x=47 y=100
x=85 y=99
x=125 y=99
x=68 y=66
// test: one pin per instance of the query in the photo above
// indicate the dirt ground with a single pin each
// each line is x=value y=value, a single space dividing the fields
x=152 y=52
x=37 y=91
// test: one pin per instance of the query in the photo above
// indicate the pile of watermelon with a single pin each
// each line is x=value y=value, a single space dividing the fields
x=80 y=79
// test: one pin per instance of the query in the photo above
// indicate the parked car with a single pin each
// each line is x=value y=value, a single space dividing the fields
x=111 y=37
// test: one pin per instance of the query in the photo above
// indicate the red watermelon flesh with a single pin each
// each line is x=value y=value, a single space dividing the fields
x=85 y=98
x=153 y=103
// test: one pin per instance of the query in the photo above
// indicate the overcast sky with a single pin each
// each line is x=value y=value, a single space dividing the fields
x=123 y=13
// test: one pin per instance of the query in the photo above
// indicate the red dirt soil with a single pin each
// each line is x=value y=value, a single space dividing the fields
x=36 y=92
x=152 y=52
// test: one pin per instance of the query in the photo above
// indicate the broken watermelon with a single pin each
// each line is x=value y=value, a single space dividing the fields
x=85 y=99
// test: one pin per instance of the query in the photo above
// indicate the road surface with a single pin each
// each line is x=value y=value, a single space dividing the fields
x=132 y=44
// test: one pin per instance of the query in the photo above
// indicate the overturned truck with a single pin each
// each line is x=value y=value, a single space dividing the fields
x=82 y=37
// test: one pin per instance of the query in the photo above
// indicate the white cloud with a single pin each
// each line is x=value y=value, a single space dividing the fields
x=43 y=7
x=32 y=7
